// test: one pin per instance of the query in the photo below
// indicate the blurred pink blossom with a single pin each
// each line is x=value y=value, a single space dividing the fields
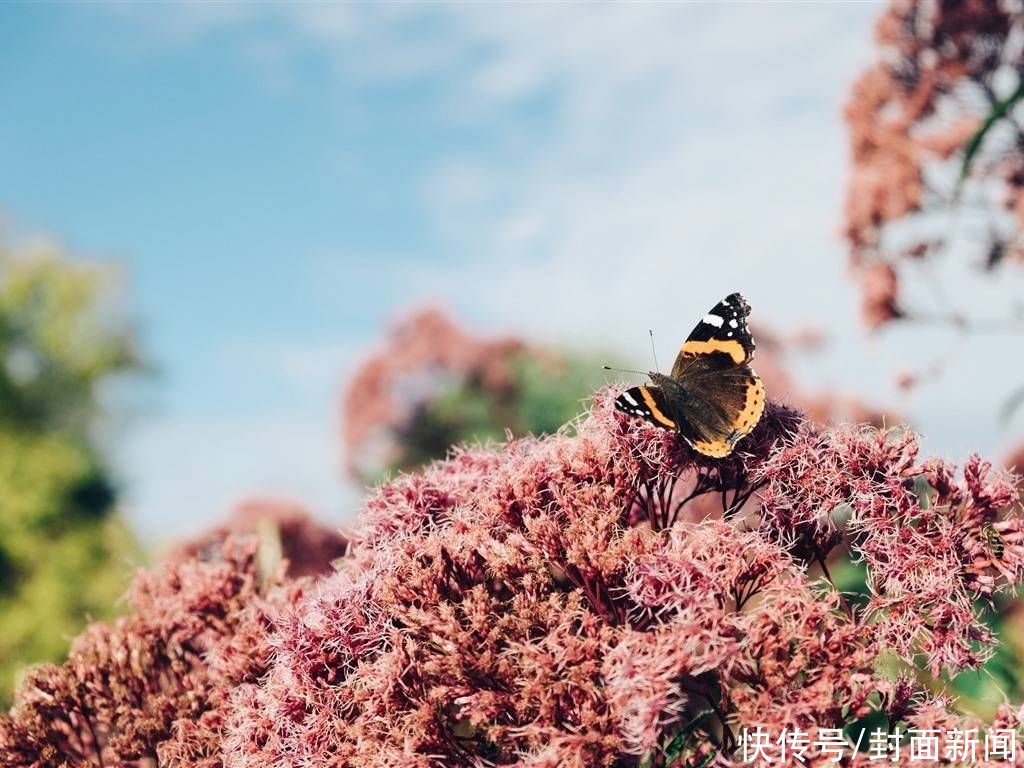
x=308 y=546
x=944 y=68
x=150 y=688
x=422 y=351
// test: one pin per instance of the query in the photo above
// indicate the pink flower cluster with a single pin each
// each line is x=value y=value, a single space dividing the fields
x=554 y=602
x=152 y=687
x=942 y=70
x=309 y=547
x=424 y=351
x=932 y=543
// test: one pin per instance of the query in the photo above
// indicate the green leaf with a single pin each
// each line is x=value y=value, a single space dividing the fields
x=999 y=110
x=859 y=731
x=674 y=749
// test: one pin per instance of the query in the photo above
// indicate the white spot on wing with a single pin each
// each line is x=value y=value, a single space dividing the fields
x=733 y=323
x=629 y=398
x=714 y=320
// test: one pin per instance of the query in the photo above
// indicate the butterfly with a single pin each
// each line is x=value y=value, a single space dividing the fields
x=712 y=397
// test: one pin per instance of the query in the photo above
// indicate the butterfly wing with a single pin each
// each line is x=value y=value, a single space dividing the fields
x=721 y=332
x=646 y=403
x=723 y=406
x=725 y=398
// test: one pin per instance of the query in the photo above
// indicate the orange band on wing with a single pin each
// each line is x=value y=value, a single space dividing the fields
x=742 y=424
x=731 y=347
x=716 y=449
x=752 y=409
x=655 y=412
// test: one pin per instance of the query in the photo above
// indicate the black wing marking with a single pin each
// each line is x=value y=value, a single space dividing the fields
x=722 y=333
x=647 y=403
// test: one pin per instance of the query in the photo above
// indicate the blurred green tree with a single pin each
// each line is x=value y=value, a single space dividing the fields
x=64 y=553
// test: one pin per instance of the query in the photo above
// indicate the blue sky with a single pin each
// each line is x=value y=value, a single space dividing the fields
x=277 y=180
x=224 y=195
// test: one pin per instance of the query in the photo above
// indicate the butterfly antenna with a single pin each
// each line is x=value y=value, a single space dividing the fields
x=653 y=353
x=622 y=370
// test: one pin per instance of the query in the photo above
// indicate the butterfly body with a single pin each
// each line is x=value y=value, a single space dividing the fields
x=712 y=397
x=676 y=395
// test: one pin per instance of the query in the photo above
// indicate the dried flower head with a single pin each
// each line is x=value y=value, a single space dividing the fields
x=433 y=385
x=423 y=353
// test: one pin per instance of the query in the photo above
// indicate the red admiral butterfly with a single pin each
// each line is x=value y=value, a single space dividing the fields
x=712 y=398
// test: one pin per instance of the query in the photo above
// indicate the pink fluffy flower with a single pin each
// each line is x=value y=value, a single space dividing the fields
x=151 y=687
x=553 y=602
x=924 y=533
x=536 y=606
x=284 y=527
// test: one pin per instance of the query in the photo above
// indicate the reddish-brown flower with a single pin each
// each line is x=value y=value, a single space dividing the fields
x=550 y=604
x=423 y=353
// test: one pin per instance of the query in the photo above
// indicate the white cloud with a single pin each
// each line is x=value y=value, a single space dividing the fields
x=686 y=150
x=698 y=149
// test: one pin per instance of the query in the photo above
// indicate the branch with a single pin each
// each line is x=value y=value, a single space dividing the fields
x=1000 y=110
